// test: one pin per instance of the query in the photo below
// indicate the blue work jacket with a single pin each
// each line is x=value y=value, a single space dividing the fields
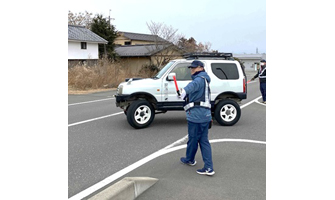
x=195 y=91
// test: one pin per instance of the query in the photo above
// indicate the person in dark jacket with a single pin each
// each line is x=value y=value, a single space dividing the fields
x=261 y=74
x=198 y=113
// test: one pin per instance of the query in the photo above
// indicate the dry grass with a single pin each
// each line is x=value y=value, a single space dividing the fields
x=104 y=76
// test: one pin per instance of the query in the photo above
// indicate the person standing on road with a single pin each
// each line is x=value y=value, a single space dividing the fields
x=198 y=113
x=261 y=74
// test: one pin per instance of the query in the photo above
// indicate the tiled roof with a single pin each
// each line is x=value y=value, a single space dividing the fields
x=80 y=33
x=139 y=50
x=142 y=37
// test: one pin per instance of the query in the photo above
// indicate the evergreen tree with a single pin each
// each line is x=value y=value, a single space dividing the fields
x=104 y=29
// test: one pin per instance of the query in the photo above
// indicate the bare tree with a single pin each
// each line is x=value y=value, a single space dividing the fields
x=204 y=47
x=80 y=19
x=168 y=42
x=162 y=30
x=164 y=48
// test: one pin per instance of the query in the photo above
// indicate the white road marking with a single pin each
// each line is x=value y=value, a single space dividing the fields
x=82 y=122
x=141 y=162
x=250 y=102
x=260 y=102
x=237 y=140
x=89 y=101
x=180 y=141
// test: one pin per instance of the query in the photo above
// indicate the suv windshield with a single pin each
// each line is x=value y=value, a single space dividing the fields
x=162 y=71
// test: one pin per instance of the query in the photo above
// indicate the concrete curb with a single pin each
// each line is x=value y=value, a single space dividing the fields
x=126 y=189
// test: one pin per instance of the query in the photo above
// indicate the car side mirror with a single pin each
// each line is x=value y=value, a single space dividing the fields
x=170 y=76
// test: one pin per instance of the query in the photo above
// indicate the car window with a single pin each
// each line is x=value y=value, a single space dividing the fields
x=182 y=72
x=162 y=71
x=225 y=70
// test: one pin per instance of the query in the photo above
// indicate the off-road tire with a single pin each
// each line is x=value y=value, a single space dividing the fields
x=227 y=112
x=140 y=114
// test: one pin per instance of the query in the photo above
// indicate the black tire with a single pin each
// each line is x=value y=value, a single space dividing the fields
x=140 y=114
x=227 y=112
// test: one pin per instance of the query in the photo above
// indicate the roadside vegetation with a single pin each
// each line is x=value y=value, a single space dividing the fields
x=110 y=70
x=105 y=75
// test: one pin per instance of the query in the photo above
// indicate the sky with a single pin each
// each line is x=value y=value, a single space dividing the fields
x=237 y=26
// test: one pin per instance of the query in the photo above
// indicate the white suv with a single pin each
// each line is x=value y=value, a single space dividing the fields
x=141 y=99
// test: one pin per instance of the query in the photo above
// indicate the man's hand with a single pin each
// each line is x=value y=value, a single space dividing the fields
x=182 y=94
x=179 y=94
x=252 y=79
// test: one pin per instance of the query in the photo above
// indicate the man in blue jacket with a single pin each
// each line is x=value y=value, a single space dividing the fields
x=198 y=113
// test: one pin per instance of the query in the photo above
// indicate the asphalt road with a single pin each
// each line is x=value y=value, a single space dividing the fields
x=101 y=142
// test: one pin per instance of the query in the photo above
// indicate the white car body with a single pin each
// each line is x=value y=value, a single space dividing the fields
x=228 y=83
x=164 y=90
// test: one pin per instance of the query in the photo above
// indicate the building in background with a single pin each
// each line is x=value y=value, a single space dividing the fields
x=127 y=38
x=83 y=46
x=137 y=50
x=250 y=60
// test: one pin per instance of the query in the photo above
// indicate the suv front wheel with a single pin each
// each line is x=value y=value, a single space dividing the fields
x=227 y=112
x=140 y=114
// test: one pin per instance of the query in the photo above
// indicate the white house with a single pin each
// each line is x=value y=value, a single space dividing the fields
x=83 y=45
x=250 y=60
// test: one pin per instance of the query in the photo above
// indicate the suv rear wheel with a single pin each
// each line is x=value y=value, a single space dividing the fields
x=227 y=112
x=140 y=114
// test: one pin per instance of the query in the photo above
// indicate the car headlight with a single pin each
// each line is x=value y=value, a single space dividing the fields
x=119 y=89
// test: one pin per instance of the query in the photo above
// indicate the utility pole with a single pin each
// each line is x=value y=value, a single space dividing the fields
x=109 y=22
x=109 y=18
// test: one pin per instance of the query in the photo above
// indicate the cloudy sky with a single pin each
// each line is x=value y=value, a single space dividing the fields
x=237 y=26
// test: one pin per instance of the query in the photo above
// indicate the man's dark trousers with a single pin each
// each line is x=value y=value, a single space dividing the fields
x=263 y=90
x=198 y=132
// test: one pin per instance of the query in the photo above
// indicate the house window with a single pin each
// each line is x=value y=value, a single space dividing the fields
x=127 y=43
x=83 y=45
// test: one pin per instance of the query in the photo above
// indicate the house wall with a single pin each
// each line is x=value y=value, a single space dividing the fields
x=136 y=42
x=167 y=53
x=135 y=64
x=75 y=51
x=121 y=41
